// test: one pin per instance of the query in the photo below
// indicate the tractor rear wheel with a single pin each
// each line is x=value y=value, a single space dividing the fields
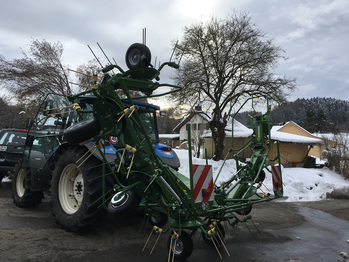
x=76 y=191
x=21 y=193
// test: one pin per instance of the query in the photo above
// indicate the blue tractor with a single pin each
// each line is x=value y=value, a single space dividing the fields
x=45 y=140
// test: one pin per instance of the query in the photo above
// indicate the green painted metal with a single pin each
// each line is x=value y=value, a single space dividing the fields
x=161 y=187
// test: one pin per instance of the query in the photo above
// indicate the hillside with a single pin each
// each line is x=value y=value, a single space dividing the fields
x=315 y=114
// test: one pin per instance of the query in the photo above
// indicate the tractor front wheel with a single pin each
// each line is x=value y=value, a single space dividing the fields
x=21 y=192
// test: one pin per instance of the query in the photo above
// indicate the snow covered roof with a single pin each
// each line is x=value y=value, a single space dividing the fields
x=281 y=136
x=169 y=136
x=278 y=133
x=239 y=130
x=190 y=116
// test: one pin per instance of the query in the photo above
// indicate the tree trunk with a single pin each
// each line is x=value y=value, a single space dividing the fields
x=199 y=148
x=218 y=134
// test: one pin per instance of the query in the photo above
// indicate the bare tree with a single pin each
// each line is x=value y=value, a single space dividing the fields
x=6 y=114
x=337 y=153
x=36 y=74
x=85 y=72
x=225 y=62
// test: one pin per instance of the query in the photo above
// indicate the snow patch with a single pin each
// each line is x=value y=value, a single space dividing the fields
x=300 y=184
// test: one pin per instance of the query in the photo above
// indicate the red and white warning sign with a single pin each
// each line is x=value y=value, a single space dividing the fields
x=277 y=181
x=203 y=183
x=113 y=139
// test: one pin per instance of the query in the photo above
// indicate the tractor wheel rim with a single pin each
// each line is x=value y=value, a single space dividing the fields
x=71 y=189
x=20 y=182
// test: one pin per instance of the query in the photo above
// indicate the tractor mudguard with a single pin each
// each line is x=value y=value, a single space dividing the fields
x=90 y=146
x=109 y=157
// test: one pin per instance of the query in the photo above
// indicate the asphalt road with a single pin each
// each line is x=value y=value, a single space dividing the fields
x=310 y=231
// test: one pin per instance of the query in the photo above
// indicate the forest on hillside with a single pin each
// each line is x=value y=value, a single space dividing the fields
x=315 y=114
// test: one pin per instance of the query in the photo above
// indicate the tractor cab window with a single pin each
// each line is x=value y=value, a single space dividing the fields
x=147 y=119
x=55 y=114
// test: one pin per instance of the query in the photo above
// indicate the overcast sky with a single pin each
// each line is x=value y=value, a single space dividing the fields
x=313 y=33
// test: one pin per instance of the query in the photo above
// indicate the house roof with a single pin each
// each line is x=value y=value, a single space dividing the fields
x=290 y=132
x=169 y=136
x=190 y=116
x=278 y=133
x=239 y=130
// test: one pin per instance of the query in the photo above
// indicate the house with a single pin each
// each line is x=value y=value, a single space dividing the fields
x=241 y=134
x=295 y=144
x=202 y=137
x=199 y=124
x=198 y=121
x=169 y=139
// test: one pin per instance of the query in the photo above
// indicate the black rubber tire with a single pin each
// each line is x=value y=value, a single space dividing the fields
x=127 y=205
x=76 y=205
x=134 y=54
x=2 y=175
x=82 y=131
x=158 y=218
x=184 y=246
x=261 y=176
x=21 y=193
x=245 y=211
x=208 y=239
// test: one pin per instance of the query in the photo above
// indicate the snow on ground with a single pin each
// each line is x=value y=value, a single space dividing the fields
x=5 y=179
x=300 y=184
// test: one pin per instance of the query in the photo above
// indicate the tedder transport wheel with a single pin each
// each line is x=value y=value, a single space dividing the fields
x=21 y=193
x=82 y=131
x=157 y=218
x=125 y=203
x=220 y=230
x=134 y=54
x=183 y=247
x=76 y=192
x=245 y=211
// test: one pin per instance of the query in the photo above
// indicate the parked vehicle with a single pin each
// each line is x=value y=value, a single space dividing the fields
x=32 y=175
x=11 y=149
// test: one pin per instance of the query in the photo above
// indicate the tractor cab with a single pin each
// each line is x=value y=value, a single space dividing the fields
x=147 y=113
